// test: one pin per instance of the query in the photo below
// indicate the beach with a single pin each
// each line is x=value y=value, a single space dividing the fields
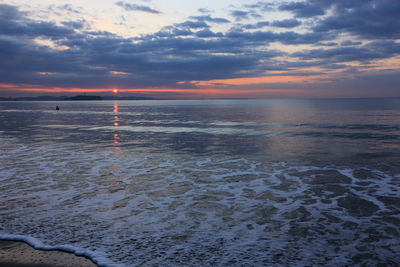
x=20 y=254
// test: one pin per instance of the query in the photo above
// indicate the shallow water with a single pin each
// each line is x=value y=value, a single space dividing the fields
x=208 y=182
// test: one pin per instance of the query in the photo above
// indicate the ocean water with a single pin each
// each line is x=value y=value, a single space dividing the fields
x=206 y=182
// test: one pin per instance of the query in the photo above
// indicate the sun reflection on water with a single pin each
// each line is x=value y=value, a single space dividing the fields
x=116 y=135
x=117 y=183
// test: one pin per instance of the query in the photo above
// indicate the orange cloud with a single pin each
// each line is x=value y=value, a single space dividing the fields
x=258 y=80
x=173 y=92
x=118 y=72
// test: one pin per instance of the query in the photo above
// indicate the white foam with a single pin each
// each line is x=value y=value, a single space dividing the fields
x=127 y=207
x=97 y=257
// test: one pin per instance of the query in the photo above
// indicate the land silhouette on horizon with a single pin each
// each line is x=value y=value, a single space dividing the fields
x=74 y=98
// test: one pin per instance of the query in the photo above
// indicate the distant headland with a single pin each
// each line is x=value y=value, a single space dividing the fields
x=74 y=98
x=84 y=97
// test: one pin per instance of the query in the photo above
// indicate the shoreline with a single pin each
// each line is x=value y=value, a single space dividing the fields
x=19 y=253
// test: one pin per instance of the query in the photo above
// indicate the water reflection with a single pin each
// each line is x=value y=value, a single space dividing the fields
x=117 y=183
x=116 y=135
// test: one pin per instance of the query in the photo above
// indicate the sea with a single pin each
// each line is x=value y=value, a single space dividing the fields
x=235 y=182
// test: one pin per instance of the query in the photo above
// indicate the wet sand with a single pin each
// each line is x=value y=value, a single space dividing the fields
x=20 y=254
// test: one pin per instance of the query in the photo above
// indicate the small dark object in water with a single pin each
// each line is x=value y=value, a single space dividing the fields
x=57 y=108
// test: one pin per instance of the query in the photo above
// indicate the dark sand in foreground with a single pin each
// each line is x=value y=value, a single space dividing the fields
x=20 y=254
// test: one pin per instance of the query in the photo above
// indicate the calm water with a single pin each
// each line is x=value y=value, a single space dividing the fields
x=200 y=183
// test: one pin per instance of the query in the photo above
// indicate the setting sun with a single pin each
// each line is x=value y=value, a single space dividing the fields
x=115 y=91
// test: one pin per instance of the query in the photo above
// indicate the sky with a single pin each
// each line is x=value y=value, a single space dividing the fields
x=200 y=49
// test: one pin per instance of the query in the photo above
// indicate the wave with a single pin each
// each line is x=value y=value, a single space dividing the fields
x=97 y=257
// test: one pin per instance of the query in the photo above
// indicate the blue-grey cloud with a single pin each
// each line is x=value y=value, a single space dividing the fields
x=206 y=33
x=262 y=6
x=368 y=52
x=367 y=19
x=193 y=24
x=9 y=12
x=349 y=43
x=286 y=23
x=243 y=14
x=326 y=44
x=258 y=25
x=208 y=18
x=304 y=9
x=283 y=37
x=204 y=10
x=190 y=50
x=135 y=7
x=78 y=24
x=312 y=8
x=14 y=23
x=66 y=7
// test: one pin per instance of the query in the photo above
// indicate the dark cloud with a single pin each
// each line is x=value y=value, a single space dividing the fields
x=286 y=23
x=150 y=61
x=367 y=19
x=263 y=6
x=349 y=43
x=179 y=29
x=326 y=44
x=206 y=33
x=9 y=12
x=304 y=9
x=208 y=18
x=79 y=24
x=258 y=25
x=135 y=7
x=193 y=24
x=366 y=53
x=283 y=37
x=312 y=8
x=65 y=7
x=242 y=14
x=15 y=23
x=193 y=50
x=169 y=32
x=204 y=10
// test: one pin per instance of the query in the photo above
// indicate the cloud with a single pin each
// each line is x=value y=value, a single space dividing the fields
x=135 y=7
x=79 y=24
x=304 y=9
x=286 y=23
x=367 y=19
x=65 y=7
x=263 y=6
x=289 y=37
x=193 y=50
x=15 y=23
x=258 y=25
x=204 y=10
x=366 y=53
x=9 y=12
x=312 y=8
x=193 y=24
x=206 y=33
x=242 y=15
x=349 y=43
x=208 y=18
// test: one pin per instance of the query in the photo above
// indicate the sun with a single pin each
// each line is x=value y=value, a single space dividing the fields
x=115 y=91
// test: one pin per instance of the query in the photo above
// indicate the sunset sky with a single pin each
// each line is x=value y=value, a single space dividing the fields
x=200 y=49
